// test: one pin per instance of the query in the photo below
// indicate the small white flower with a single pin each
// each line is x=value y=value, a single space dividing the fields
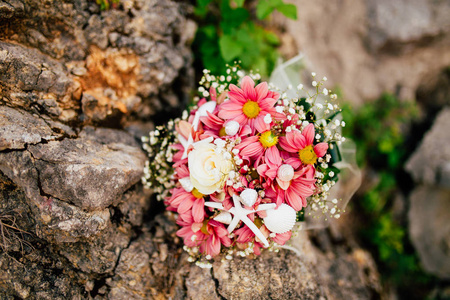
x=325 y=91
x=331 y=174
x=314 y=83
x=324 y=78
x=268 y=119
x=317 y=136
x=300 y=87
x=231 y=128
x=279 y=109
x=313 y=74
x=343 y=124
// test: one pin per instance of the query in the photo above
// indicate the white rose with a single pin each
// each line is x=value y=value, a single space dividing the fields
x=208 y=168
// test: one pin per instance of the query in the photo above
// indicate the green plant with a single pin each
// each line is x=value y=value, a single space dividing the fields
x=379 y=130
x=107 y=4
x=228 y=31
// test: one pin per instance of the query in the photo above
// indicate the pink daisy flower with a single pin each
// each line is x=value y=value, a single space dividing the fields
x=188 y=203
x=209 y=237
x=257 y=146
x=302 y=143
x=250 y=105
x=296 y=191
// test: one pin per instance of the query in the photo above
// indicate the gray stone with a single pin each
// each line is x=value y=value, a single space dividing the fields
x=87 y=173
x=369 y=47
x=19 y=128
x=429 y=162
x=404 y=21
x=429 y=228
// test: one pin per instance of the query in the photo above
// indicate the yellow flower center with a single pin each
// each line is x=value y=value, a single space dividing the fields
x=197 y=194
x=268 y=139
x=251 y=109
x=307 y=155
x=204 y=228
x=222 y=132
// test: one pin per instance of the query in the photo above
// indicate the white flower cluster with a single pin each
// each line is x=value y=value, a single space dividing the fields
x=158 y=171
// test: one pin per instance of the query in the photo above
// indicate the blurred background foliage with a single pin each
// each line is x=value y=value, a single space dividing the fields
x=380 y=130
x=232 y=30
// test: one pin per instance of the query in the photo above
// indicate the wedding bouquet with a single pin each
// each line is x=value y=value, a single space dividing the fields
x=246 y=162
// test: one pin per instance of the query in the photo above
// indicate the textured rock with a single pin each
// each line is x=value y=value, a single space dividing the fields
x=59 y=197
x=108 y=64
x=86 y=173
x=430 y=162
x=19 y=128
x=370 y=47
x=430 y=230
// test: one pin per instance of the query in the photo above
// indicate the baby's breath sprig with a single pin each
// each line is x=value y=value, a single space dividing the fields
x=158 y=171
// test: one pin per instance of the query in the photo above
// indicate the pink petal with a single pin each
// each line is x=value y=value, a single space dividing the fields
x=294 y=162
x=198 y=210
x=282 y=238
x=213 y=93
x=267 y=103
x=321 y=149
x=213 y=245
x=237 y=96
x=246 y=130
x=260 y=125
x=308 y=133
x=298 y=140
x=247 y=86
x=284 y=143
x=273 y=156
x=261 y=169
x=225 y=240
x=283 y=184
x=293 y=200
x=185 y=205
x=261 y=90
x=196 y=226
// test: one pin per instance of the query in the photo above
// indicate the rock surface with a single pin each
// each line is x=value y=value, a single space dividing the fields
x=430 y=163
x=59 y=58
x=76 y=222
x=430 y=230
x=429 y=202
x=370 y=47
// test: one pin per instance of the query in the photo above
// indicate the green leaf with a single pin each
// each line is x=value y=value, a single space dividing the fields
x=272 y=38
x=239 y=3
x=263 y=9
x=289 y=10
x=202 y=7
x=229 y=48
